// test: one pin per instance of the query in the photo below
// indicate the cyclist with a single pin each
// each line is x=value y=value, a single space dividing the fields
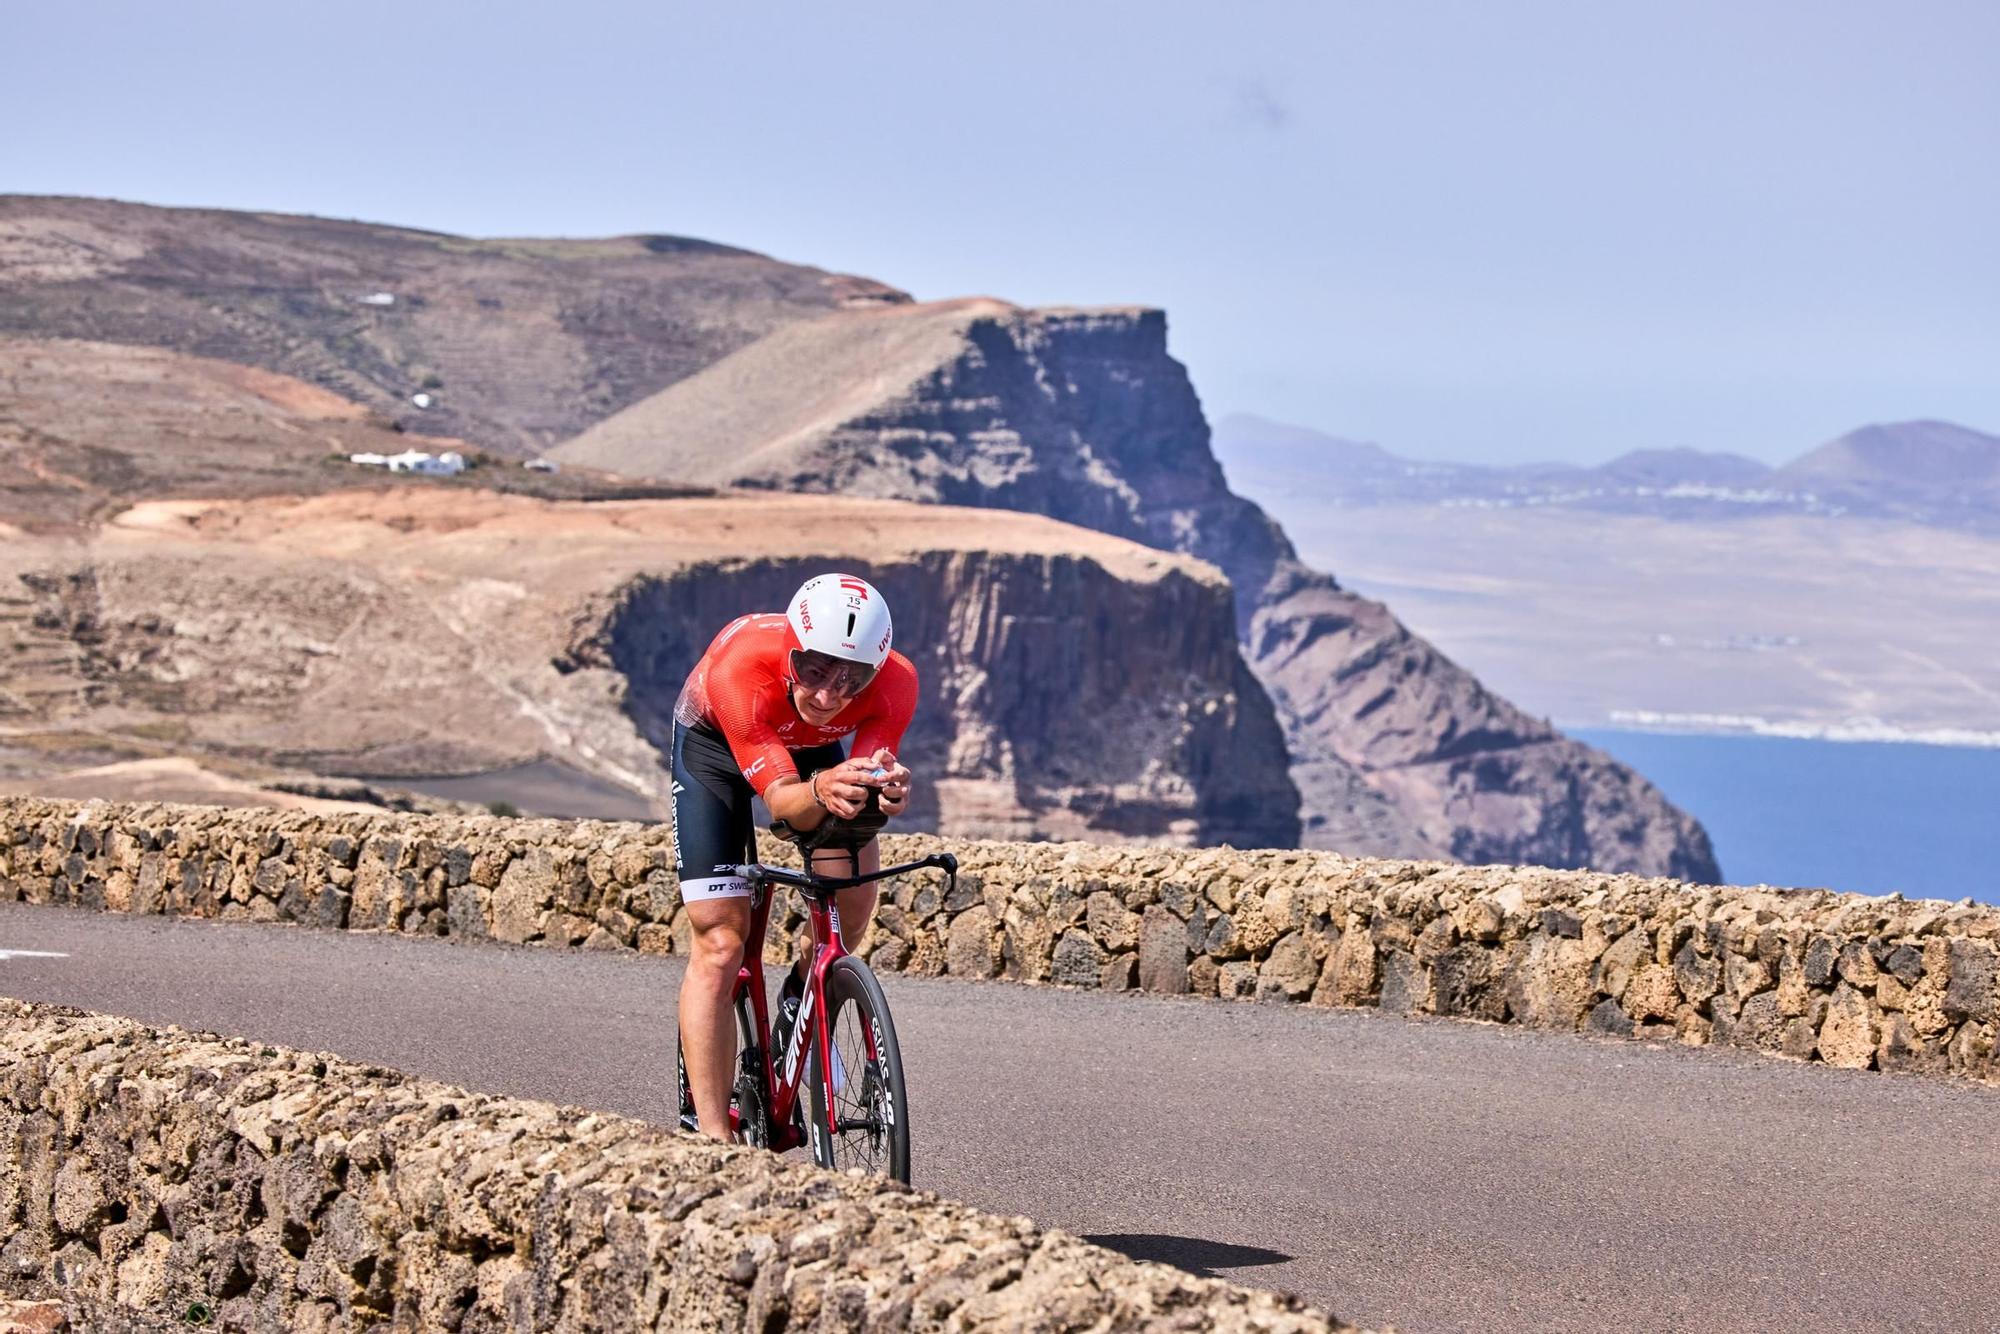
x=764 y=712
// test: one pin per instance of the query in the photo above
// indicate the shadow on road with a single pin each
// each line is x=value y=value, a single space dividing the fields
x=1197 y=1255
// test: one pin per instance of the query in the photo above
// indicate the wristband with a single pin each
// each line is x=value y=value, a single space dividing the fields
x=812 y=786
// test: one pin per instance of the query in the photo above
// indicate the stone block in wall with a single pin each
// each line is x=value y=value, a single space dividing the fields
x=1027 y=943
x=1163 y=951
x=1076 y=961
x=1903 y=1048
x=1178 y=898
x=1972 y=988
x=1609 y=1017
x=1111 y=923
x=1971 y=1050
x=1550 y=986
x=1743 y=976
x=972 y=947
x=1851 y=1031
x=1698 y=975
x=1479 y=919
x=1461 y=983
x=1793 y=993
x=1236 y=980
x=1355 y=970
x=1406 y=984
x=1923 y=1007
x=1857 y=964
x=1652 y=994
x=1289 y=972
x=1903 y=962
x=524 y=897
x=1762 y=1026
x=1621 y=958
x=1117 y=973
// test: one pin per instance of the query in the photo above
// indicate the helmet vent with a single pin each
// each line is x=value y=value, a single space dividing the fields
x=850 y=625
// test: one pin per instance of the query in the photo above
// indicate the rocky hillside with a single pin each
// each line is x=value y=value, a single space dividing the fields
x=1082 y=415
x=1075 y=685
x=516 y=343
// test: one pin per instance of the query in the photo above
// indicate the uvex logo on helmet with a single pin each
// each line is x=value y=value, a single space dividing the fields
x=842 y=616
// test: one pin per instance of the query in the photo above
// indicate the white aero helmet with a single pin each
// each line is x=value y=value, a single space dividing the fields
x=842 y=616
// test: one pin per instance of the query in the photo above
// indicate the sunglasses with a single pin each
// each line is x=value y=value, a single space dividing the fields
x=821 y=671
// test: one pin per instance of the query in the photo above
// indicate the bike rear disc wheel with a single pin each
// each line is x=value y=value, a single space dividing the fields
x=747 y=1108
x=867 y=1127
x=749 y=1115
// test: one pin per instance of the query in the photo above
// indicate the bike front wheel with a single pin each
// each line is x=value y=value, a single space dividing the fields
x=864 y=1123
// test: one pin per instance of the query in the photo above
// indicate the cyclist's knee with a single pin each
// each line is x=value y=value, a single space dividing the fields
x=719 y=947
x=719 y=927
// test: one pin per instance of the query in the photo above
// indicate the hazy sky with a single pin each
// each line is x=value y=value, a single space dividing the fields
x=1492 y=230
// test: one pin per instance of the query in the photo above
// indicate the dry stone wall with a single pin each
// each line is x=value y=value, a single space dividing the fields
x=1853 y=981
x=214 y=1182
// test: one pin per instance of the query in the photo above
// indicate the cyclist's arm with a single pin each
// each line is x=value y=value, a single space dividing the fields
x=735 y=692
x=881 y=733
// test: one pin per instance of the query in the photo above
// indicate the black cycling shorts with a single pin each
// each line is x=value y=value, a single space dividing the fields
x=713 y=819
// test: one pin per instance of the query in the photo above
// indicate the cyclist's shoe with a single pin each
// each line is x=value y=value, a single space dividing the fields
x=689 y=1121
x=789 y=993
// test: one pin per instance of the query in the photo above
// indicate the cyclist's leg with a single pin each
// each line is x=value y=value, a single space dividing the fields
x=857 y=905
x=711 y=826
x=707 y=1006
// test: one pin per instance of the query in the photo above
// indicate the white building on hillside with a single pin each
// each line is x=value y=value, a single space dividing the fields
x=446 y=464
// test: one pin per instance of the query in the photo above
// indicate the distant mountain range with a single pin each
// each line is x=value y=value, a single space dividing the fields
x=1923 y=471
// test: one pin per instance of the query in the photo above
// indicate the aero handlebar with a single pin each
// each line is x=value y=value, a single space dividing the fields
x=758 y=874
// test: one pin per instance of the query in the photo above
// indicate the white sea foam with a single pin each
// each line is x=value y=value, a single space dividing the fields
x=1853 y=729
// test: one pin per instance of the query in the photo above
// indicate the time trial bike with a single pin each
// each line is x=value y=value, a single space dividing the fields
x=837 y=1084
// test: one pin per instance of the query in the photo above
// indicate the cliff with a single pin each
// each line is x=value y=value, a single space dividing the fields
x=1082 y=415
x=1074 y=685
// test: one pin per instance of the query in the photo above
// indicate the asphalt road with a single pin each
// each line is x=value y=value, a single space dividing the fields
x=1433 y=1175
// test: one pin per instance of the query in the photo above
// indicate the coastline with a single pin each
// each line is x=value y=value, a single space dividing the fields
x=1750 y=724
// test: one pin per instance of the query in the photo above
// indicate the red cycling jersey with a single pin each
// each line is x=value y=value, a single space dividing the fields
x=742 y=688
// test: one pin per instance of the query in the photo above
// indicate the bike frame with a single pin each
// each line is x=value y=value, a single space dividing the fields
x=782 y=1089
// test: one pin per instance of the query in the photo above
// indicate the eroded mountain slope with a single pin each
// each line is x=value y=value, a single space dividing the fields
x=1084 y=416
x=517 y=343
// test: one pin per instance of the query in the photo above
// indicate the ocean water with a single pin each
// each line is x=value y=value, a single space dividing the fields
x=1871 y=817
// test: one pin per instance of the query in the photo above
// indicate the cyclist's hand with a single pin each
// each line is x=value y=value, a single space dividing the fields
x=894 y=782
x=843 y=789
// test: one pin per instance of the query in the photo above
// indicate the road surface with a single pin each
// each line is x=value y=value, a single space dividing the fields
x=1434 y=1175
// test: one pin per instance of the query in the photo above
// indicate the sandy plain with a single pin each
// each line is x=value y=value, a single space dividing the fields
x=1593 y=618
